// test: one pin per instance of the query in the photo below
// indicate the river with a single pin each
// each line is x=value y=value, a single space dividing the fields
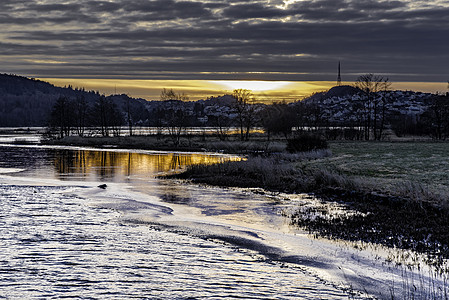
x=139 y=236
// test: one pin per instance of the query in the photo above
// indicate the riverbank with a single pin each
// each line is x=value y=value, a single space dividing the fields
x=399 y=190
x=187 y=143
x=185 y=222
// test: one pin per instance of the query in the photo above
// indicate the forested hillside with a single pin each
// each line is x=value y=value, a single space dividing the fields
x=26 y=102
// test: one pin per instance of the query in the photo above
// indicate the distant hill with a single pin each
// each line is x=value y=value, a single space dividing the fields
x=344 y=104
x=336 y=91
x=27 y=102
x=341 y=91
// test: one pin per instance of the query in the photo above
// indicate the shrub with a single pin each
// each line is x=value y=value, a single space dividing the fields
x=306 y=142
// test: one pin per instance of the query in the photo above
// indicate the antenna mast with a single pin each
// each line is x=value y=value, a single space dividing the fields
x=339 y=75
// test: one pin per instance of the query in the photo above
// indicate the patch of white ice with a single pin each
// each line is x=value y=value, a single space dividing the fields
x=10 y=170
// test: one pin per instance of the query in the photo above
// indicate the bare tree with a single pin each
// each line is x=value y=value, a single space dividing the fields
x=168 y=95
x=81 y=113
x=219 y=117
x=61 y=117
x=175 y=115
x=384 y=99
x=107 y=116
x=129 y=117
x=172 y=95
x=245 y=109
x=370 y=85
x=100 y=116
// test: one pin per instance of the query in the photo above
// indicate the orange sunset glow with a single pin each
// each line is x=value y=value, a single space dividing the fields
x=266 y=91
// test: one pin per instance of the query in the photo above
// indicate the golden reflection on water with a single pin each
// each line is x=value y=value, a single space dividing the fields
x=121 y=165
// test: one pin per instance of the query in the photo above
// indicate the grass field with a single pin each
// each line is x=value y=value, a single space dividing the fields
x=389 y=164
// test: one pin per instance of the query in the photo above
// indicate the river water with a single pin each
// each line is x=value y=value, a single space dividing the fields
x=62 y=236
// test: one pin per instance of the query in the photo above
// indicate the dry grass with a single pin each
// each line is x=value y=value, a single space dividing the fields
x=275 y=173
x=396 y=212
x=196 y=143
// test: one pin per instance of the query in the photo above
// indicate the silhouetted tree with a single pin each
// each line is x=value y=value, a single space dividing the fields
x=245 y=109
x=278 y=118
x=175 y=116
x=309 y=116
x=314 y=116
x=436 y=118
x=61 y=117
x=370 y=85
x=106 y=115
x=80 y=111
x=128 y=117
x=158 y=121
x=99 y=115
x=172 y=95
x=220 y=118
x=116 y=118
x=384 y=101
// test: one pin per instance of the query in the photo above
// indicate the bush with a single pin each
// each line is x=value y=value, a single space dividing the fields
x=306 y=142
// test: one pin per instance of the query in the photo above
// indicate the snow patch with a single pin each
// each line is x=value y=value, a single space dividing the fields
x=10 y=170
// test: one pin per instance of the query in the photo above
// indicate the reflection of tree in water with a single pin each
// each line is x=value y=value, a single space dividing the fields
x=108 y=162
x=179 y=161
x=68 y=162
x=107 y=165
x=129 y=168
x=61 y=163
x=175 y=162
x=83 y=163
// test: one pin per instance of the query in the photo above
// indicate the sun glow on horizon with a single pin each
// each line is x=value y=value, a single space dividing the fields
x=253 y=85
x=195 y=89
x=264 y=91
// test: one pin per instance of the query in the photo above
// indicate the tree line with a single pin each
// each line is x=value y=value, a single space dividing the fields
x=74 y=116
x=433 y=122
x=371 y=115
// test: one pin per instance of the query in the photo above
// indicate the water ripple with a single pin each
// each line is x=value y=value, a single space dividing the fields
x=56 y=245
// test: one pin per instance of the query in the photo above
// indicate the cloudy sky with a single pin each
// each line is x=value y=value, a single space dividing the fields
x=287 y=40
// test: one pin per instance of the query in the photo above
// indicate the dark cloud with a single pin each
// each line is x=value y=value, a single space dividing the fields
x=371 y=5
x=44 y=8
x=253 y=10
x=156 y=38
x=165 y=10
x=103 y=6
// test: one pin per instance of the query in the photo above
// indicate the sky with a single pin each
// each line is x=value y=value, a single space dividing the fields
x=139 y=46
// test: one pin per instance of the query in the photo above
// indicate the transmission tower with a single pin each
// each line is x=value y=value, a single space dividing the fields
x=339 y=75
